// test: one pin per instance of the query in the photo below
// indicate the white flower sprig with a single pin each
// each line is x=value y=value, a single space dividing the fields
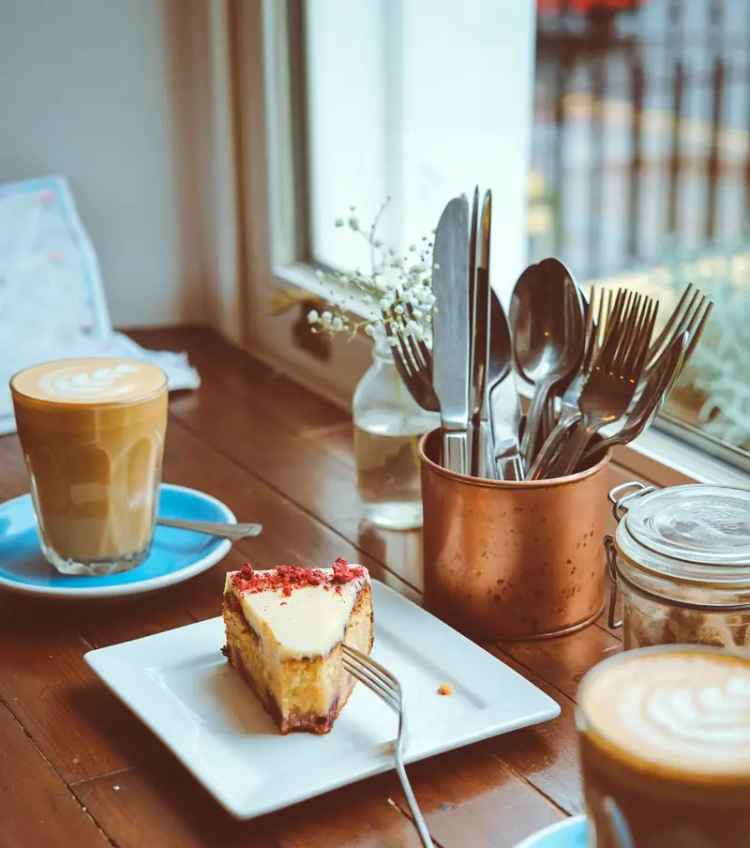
x=399 y=286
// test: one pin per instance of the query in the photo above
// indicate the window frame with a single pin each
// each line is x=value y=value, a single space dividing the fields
x=271 y=205
x=275 y=254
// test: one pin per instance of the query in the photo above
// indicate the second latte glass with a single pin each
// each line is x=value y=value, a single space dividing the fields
x=665 y=748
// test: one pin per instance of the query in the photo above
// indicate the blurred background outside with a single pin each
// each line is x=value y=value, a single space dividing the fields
x=641 y=169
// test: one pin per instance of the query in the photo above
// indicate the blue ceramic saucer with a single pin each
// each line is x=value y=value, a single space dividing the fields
x=571 y=833
x=176 y=555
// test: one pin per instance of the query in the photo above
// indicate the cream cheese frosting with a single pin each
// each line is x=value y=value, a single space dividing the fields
x=303 y=620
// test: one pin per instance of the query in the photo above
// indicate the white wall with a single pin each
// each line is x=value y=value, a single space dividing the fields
x=100 y=91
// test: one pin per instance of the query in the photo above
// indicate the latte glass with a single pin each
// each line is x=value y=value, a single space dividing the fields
x=664 y=739
x=92 y=433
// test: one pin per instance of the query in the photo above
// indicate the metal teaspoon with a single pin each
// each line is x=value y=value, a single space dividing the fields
x=547 y=324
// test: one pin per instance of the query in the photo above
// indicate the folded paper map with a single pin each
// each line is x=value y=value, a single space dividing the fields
x=52 y=302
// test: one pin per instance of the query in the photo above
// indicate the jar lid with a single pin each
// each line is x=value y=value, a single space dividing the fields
x=696 y=532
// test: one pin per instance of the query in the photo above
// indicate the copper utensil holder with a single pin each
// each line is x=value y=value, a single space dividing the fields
x=513 y=560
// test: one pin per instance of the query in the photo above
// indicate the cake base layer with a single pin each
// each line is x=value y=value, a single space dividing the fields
x=300 y=694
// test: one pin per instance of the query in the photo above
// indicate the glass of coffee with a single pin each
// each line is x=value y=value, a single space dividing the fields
x=92 y=433
x=664 y=738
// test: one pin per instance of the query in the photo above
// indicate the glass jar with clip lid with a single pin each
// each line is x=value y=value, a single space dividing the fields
x=680 y=560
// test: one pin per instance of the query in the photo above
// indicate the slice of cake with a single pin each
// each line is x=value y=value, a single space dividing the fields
x=285 y=627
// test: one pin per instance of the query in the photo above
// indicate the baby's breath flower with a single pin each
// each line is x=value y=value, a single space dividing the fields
x=393 y=283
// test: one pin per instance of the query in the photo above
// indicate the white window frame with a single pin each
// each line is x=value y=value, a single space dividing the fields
x=268 y=221
x=270 y=208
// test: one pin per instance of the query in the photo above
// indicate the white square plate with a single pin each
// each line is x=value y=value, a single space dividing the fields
x=180 y=685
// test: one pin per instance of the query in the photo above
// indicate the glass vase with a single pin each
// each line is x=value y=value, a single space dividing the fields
x=387 y=426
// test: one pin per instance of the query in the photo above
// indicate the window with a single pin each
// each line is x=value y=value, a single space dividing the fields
x=416 y=100
x=641 y=175
x=355 y=102
x=619 y=141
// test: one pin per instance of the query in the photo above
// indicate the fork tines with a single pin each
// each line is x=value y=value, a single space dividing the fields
x=627 y=334
x=413 y=359
x=690 y=315
x=374 y=676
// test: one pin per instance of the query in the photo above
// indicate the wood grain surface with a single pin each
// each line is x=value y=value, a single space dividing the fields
x=76 y=768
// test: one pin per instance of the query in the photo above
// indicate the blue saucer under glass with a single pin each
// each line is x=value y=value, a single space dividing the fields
x=176 y=555
x=571 y=833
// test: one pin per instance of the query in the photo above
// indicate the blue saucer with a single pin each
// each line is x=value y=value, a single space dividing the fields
x=571 y=833
x=176 y=555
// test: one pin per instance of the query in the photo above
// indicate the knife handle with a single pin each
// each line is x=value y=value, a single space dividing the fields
x=455 y=454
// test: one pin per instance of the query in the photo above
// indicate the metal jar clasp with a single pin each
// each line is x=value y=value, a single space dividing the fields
x=611 y=554
x=621 y=496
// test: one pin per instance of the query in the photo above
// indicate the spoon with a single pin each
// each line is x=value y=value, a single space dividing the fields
x=547 y=322
x=504 y=461
x=210 y=528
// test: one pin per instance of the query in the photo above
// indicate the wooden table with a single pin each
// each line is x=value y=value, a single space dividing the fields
x=77 y=769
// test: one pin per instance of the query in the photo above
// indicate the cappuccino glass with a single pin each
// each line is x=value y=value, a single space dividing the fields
x=92 y=433
x=664 y=737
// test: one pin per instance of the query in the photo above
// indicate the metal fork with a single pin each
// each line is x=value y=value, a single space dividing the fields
x=616 y=373
x=413 y=360
x=612 y=381
x=690 y=315
x=386 y=686
x=595 y=331
x=643 y=409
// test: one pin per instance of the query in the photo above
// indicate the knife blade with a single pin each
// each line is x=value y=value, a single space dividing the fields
x=450 y=330
x=480 y=345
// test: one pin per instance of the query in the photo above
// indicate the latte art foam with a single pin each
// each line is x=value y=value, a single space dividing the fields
x=716 y=716
x=92 y=380
x=112 y=382
x=687 y=711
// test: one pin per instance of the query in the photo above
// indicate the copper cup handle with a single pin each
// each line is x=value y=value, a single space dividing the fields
x=611 y=554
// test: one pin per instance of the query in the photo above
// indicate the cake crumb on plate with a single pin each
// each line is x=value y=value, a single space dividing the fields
x=445 y=689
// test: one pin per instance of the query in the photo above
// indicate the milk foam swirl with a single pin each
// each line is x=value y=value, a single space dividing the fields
x=113 y=382
x=90 y=380
x=684 y=710
x=713 y=715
